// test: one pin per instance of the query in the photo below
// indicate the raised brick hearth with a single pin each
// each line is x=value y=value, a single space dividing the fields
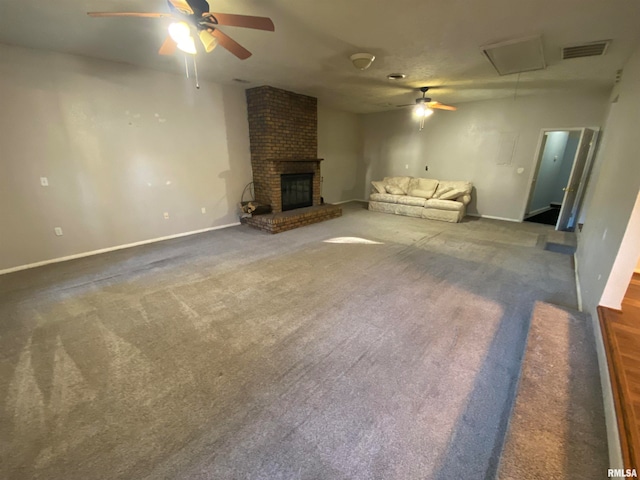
x=283 y=221
x=283 y=134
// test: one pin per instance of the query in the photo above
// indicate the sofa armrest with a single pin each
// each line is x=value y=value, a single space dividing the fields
x=465 y=199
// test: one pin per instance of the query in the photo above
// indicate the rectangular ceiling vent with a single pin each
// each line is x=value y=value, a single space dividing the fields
x=594 y=49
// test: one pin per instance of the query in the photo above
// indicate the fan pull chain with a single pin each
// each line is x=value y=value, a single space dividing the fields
x=195 y=70
x=186 y=66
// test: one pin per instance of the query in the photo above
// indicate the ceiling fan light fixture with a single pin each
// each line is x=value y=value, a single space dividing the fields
x=209 y=42
x=188 y=46
x=179 y=32
x=362 y=61
x=421 y=111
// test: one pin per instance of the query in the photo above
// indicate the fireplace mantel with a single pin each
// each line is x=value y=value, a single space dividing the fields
x=296 y=160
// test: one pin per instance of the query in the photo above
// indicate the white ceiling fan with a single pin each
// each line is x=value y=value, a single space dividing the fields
x=425 y=106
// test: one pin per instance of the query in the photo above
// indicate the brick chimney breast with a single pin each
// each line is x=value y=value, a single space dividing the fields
x=283 y=136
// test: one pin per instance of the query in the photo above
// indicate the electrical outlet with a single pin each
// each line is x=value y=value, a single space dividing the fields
x=166 y=215
x=44 y=181
x=407 y=166
x=203 y=210
x=58 y=231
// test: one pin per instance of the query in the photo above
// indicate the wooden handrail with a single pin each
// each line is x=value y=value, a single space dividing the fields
x=621 y=335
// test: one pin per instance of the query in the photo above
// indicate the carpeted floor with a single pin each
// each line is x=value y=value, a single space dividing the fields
x=556 y=430
x=369 y=346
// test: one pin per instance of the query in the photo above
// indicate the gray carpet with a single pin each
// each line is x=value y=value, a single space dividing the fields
x=237 y=354
x=557 y=428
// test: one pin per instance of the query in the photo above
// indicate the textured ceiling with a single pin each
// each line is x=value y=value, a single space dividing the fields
x=433 y=42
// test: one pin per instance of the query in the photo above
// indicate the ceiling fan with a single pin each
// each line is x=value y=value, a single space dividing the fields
x=425 y=106
x=194 y=14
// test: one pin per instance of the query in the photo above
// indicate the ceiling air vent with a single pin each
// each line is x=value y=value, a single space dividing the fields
x=594 y=49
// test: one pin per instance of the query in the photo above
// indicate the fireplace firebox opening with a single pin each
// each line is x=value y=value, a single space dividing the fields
x=297 y=190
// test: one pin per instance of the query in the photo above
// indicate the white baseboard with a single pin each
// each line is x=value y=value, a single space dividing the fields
x=494 y=218
x=610 y=416
x=347 y=201
x=578 y=288
x=111 y=249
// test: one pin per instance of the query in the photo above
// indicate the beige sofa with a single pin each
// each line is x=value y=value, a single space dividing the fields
x=421 y=197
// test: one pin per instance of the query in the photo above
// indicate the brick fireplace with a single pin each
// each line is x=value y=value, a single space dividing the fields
x=267 y=179
x=283 y=135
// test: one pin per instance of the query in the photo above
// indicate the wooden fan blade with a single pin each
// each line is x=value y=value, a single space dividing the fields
x=129 y=14
x=182 y=5
x=230 y=44
x=441 y=106
x=246 y=21
x=168 y=47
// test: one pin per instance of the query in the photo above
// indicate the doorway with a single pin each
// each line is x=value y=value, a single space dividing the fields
x=562 y=169
x=626 y=264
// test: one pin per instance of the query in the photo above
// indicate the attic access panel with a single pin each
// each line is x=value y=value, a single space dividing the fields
x=515 y=56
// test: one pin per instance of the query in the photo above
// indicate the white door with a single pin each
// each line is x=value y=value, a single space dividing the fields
x=574 y=188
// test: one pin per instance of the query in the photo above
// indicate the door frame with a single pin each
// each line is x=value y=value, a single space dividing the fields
x=577 y=204
x=537 y=159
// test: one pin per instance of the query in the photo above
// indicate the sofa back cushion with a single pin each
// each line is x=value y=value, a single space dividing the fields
x=452 y=194
x=452 y=189
x=378 y=187
x=394 y=190
x=422 y=187
x=401 y=182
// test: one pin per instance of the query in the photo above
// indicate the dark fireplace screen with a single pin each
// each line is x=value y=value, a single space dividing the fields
x=297 y=190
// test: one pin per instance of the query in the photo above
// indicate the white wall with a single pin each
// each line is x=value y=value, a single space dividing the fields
x=465 y=145
x=120 y=146
x=340 y=144
x=613 y=192
x=610 y=199
x=625 y=262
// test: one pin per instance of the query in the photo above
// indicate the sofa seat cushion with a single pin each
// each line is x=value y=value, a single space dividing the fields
x=385 y=197
x=409 y=200
x=444 y=204
x=402 y=182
